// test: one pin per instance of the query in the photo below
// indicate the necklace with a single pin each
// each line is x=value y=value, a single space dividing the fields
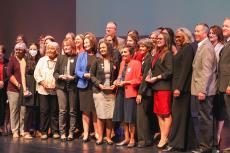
x=51 y=64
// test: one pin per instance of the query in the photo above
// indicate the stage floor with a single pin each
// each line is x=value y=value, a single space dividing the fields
x=10 y=145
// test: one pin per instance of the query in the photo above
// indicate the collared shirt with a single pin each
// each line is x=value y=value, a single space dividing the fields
x=217 y=49
x=201 y=42
x=44 y=72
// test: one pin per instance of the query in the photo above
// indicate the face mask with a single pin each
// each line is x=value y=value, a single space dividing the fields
x=33 y=52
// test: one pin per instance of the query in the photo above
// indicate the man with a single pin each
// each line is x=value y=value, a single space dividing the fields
x=111 y=29
x=224 y=67
x=203 y=88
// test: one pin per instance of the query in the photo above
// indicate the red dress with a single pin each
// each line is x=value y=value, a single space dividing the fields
x=162 y=102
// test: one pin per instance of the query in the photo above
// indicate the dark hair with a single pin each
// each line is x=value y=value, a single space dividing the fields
x=133 y=31
x=218 y=31
x=171 y=36
x=114 y=39
x=135 y=38
x=93 y=42
x=38 y=54
x=109 y=49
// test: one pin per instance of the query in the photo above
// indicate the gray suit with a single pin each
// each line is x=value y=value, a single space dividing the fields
x=204 y=80
x=224 y=75
x=204 y=70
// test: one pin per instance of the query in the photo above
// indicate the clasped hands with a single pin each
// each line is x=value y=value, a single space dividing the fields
x=66 y=77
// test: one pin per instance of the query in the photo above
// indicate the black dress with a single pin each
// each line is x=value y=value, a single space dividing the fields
x=86 y=95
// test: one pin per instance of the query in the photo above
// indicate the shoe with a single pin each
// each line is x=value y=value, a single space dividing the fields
x=56 y=135
x=169 y=149
x=70 y=137
x=202 y=150
x=84 y=140
x=122 y=143
x=44 y=136
x=162 y=147
x=109 y=142
x=131 y=145
x=38 y=134
x=99 y=142
x=15 y=135
x=28 y=136
x=22 y=134
x=63 y=138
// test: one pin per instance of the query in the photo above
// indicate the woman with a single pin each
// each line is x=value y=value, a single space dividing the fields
x=159 y=78
x=31 y=101
x=79 y=43
x=171 y=34
x=182 y=132
x=132 y=41
x=83 y=65
x=4 y=110
x=153 y=37
x=17 y=82
x=116 y=54
x=144 y=98
x=46 y=88
x=66 y=89
x=217 y=39
x=125 y=106
x=103 y=72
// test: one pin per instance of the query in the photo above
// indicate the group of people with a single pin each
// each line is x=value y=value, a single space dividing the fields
x=167 y=84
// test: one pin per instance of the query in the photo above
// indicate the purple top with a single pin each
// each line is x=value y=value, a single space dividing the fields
x=13 y=68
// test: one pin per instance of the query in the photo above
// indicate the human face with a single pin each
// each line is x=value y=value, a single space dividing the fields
x=103 y=49
x=67 y=49
x=111 y=29
x=143 y=48
x=51 y=51
x=87 y=44
x=78 y=42
x=125 y=53
x=109 y=39
x=212 y=36
x=200 y=33
x=153 y=37
x=19 y=39
x=20 y=52
x=179 y=38
x=160 y=41
x=130 y=41
x=226 y=28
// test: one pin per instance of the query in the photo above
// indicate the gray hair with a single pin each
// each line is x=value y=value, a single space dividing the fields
x=146 y=42
x=54 y=44
x=187 y=34
x=20 y=45
x=205 y=26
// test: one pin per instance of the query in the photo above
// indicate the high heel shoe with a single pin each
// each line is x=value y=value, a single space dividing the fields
x=163 y=146
x=84 y=140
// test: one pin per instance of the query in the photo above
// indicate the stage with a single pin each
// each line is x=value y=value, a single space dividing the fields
x=36 y=145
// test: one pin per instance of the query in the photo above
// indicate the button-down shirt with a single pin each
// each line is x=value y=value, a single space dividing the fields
x=44 y=72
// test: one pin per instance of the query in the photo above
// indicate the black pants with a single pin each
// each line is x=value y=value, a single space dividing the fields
x=31 y=119
x=144 y=114
x=182 y=134
x=48 y=113
x=227 y=104
x=204 y=124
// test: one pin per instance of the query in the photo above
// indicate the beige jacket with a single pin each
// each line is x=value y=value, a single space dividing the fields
x=204 y=75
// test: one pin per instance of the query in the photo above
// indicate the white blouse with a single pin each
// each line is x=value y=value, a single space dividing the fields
x=44 y=72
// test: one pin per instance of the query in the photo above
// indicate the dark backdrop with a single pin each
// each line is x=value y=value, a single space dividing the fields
x=35 y=17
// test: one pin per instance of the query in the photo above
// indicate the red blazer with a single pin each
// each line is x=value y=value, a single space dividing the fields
x=133 y=74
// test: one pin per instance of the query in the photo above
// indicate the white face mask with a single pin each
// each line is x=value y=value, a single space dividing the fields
x=33 y=52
